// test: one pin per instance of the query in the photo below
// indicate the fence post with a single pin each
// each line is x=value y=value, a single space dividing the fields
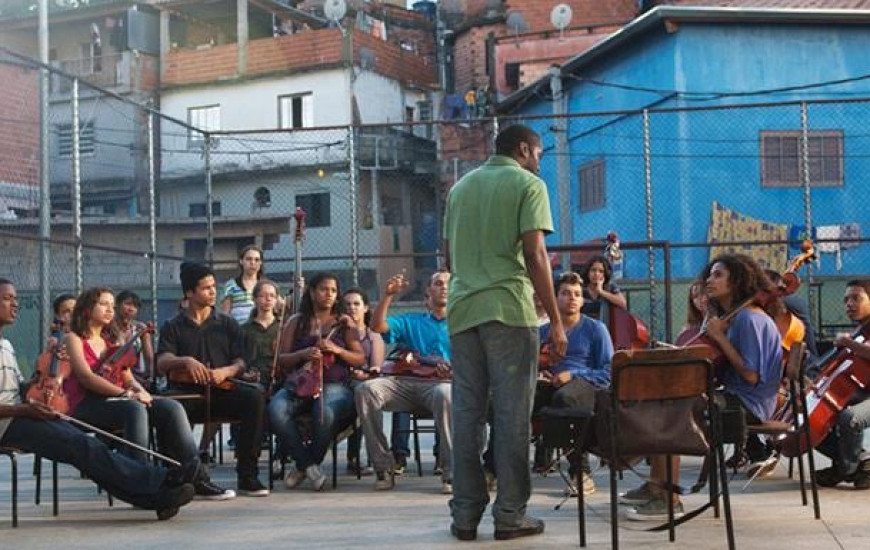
x=44 y=180
x=562 y=161
x=76 y=184
x=209 y=215
x=152 y=224
x=651 y=254
x=808 y=213
x=354 y=229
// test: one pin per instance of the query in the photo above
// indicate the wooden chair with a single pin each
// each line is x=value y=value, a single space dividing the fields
x=798 y=427
x=666 y=376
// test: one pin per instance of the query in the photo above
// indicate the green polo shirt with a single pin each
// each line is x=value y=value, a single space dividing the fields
x=488 y=210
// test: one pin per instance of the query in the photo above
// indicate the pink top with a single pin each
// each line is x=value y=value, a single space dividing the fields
x=74 y=390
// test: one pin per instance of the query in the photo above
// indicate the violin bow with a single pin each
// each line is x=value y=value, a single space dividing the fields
x=114 y=437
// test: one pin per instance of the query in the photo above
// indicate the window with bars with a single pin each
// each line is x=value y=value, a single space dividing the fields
x=591 y=182
x=296 y=111
x=207 y=118
x=782 y=163
x=87 y=139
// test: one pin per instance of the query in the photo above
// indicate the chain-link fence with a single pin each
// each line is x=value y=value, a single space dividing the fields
x=134 y=192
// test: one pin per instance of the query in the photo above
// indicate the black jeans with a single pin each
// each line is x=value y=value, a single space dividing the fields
x=244 y=404
x=123 y=477
x=576 y=394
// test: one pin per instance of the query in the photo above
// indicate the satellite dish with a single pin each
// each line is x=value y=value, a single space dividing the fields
x=560 y=17
x=516 y=22
x=335 y=10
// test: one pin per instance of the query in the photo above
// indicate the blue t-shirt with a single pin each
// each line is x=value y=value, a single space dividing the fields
x=754 y=335
x=589 y=353
x=421 y=332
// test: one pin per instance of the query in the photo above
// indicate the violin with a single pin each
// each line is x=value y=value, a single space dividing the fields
x=120 y=358
x=308 y=378
x=403 y=362
x=46 y=386
x=843 y=375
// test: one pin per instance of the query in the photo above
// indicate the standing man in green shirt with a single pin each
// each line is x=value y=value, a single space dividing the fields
x=494 y=229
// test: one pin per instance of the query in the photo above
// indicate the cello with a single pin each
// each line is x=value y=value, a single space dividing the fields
x=843 y=375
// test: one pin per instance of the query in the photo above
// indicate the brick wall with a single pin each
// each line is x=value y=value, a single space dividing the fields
x=296 y=51
x=393 y=62
x=585 y=12
x=19 y=125
x=469 y=56
x=185 y=66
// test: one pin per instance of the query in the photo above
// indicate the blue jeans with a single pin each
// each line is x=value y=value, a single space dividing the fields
x=501 y=361
x=123 y=477
x=174 y=436
x=843 y=445
x=338 y=412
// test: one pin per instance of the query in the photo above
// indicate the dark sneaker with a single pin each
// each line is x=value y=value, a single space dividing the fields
x=637 y=496
x=528 y=526
x=206 y=490
x=251 y=487
x=829 y=477
x=654 y=510
x=401 y=464
x=170 y=499
x=462 y=534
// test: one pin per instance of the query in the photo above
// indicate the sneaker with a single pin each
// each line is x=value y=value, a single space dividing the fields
x=737 y=462
x=861 y=477
x=491 y=481
x=170 y=499
x=385 y=481
x=654 y=510
x=829 y=477
x=762 y=468
x=463 y=534
x=294 y=478
x=638 y=496
x=318 y=478
x=588 y=486
x=276 y=468
x=251 y=487
x=528 y=526
x=206 y=490
x=446 y=487
x=437 y=471
x=401 y=464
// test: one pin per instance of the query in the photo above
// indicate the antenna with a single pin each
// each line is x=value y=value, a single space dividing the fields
x=516 y=23
x=560 y=17
x=335 y=10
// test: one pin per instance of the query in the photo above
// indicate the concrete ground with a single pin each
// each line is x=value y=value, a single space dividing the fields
x=767 y=515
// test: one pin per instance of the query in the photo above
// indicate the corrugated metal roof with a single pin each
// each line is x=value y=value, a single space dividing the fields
x=688 y=14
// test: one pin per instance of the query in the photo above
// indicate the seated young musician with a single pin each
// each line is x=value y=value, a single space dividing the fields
x=62 y=307
x=110 y=397
x=357 y=306
x=585 y=369
x=128 y=304
x=752 y=349
x=201 y=346
x=424 y=333
x=316 y=334
x=35 y=428
x=599 y=289
x=843 y=445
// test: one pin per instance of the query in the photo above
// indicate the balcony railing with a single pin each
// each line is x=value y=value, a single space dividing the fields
x=104 y=71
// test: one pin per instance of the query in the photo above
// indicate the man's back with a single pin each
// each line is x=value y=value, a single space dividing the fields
x=488 y=210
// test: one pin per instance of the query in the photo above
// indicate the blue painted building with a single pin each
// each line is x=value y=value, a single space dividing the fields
x=717 y=83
